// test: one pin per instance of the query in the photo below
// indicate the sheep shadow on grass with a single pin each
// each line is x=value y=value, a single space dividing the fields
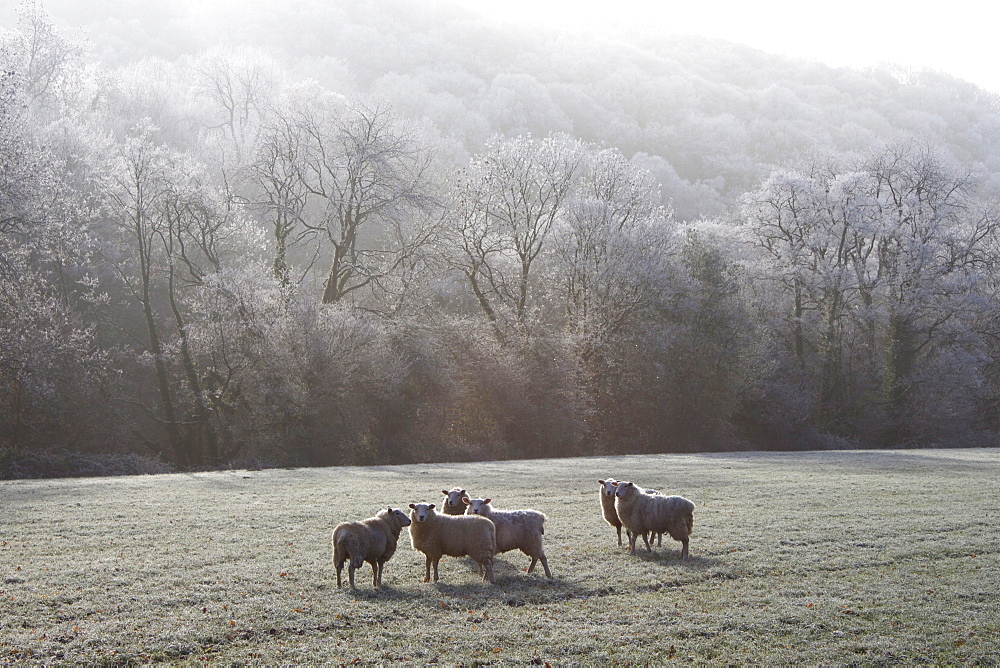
x=386 y=592
x=672 y=558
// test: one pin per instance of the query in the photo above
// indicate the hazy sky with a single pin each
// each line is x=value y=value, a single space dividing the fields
x=957 y=37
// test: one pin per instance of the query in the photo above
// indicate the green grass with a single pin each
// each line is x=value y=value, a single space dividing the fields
x=818 y=558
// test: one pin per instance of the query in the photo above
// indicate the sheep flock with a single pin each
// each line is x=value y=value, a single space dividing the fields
x=464 y=526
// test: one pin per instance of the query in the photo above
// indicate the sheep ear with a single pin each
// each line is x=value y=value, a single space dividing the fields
x=600 y=482
x=487 y=500
x=390 y=509
x=445 y=492
x=614 y=484
x=466 y=500
x=413 y=506
x=432 y=506
x=463 y=492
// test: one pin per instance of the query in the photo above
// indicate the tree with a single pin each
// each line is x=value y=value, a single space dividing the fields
x=356 y=181
x=278 y=172
x=238 y=85
x=137 y=189
x=369 y=177
x=51 y=369
x=878 y=264
x=503 y=208
x=43 y=61
x=613 y=243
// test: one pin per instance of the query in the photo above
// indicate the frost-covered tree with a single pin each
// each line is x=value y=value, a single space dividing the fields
x=875 y=267
x=235 y=88
x=502 y=211
x=613 y=245
x=352 y=178
x=50 y=366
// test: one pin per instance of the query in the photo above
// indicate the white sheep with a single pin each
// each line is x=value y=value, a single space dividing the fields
x=373 y=540
x=641 y=513
x=607 y=496
x=437 y=534
x=608 y=505
x=453 y=504
x=516 y=530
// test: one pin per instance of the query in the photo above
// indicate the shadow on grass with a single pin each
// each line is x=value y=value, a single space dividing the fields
x=386 y=592
x=667 y=557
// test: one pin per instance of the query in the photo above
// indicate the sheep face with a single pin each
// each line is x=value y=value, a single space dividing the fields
x=399 y=516
x=608 y=486
x=422 y=511
x=477 y=506
x=454 y=498
x=623 y=488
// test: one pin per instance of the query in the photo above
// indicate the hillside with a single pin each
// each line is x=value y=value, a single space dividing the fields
x=708 y=118
x=242 y=234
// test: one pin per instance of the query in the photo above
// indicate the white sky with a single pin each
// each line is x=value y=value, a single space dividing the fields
x=959 y=37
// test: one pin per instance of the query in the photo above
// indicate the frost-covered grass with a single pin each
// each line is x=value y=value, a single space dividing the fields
x=819 y=558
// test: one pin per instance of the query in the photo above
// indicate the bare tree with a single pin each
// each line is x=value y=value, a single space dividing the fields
x=503 y=209
x=368 y=175
x=239 y=85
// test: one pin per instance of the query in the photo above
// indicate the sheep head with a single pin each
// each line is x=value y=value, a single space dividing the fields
x=608 y=486
x=477 y=506
x=398 y=515
x=454 y=497
x=623 y=488
x=421 y=512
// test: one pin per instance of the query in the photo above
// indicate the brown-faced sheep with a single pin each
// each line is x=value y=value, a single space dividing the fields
x=453 y=504
x=516 y=530
x=641 y=513
x=373 y=540
x=437 y=534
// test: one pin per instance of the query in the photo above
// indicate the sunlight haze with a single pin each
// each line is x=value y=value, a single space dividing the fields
x=958 y=41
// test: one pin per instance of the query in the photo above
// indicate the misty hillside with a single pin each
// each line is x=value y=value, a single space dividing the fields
x=360 y=233
x=708 y=118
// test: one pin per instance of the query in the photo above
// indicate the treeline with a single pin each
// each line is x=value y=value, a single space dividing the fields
x=209 y=263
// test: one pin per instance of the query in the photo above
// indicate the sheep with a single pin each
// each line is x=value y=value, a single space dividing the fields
x=437 y=534
x=607 y=495
x=373 y=540
x=641 y=513
x=657 y=534
x=453 y=504
x=608 y=505
x=516 y=529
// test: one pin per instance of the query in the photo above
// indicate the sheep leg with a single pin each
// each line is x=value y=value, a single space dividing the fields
x=427 y=568
x=645 y=538
x=376 y=568
x=350 y=574
x=436 y=562
x=545 y=564
x=619 y=536
x=489 y=570
x=338 y=561
x=659 y=539
x=684 y=549
x=631 y=542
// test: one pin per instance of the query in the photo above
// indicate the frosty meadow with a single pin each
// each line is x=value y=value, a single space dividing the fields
x=818 y=557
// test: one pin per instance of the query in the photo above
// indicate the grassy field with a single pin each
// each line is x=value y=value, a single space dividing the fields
x=818 y=558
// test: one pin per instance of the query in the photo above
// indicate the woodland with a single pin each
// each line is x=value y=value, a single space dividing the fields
x=331 y=233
